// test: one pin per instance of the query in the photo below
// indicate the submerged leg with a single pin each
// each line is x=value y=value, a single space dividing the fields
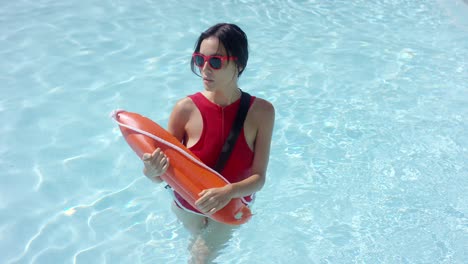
x=208 y=236
x=208 y=244
x=192 y=222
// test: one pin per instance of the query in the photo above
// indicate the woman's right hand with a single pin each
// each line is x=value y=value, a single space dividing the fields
x=156 y=164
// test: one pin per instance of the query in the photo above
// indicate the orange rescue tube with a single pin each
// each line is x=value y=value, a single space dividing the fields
x=187 y=175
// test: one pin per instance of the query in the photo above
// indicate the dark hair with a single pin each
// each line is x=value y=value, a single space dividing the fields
x=234 y=41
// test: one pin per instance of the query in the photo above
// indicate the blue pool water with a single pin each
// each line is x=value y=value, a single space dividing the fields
x=369 y=156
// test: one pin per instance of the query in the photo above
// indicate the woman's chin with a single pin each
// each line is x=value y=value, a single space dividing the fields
x=209 y=87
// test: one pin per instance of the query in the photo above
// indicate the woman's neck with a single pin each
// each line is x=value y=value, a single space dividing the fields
x=224 y=98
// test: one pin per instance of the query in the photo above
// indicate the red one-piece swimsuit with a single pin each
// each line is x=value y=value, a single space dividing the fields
x=217 y=123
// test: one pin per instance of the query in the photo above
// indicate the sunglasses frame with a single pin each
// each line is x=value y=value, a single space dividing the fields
x=207 y=58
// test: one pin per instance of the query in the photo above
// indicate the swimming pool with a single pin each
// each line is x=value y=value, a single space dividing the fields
x=369 y=157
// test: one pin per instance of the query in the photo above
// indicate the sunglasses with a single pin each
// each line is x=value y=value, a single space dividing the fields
x=215 y=61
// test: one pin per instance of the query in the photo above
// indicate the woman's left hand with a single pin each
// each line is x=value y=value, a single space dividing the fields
x=212 y=200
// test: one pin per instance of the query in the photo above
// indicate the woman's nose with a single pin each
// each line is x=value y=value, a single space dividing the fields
x=206 y=66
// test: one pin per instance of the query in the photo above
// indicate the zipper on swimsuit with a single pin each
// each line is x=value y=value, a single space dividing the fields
x=222 y=125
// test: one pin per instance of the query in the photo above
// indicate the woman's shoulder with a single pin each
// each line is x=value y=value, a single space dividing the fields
x=184 y=105
x=180 y=115
x=263 y=108
x=262 y=111
x=182 y=110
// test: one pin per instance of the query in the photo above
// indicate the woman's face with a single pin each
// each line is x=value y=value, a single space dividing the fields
x=220 y=79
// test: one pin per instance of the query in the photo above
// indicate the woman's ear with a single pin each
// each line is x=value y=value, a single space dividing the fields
x=239 y=70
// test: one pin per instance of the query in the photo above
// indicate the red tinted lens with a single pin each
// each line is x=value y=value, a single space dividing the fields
x=199 y=60
x=215 y=63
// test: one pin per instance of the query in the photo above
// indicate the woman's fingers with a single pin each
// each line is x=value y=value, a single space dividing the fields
x=146 y=156
x=156 y=163
x=154 y=157
x=159 y=158
x=214 y=199
x=166 y=165
x=207 y=203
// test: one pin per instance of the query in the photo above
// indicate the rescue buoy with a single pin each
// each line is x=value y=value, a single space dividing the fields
x=187 y=175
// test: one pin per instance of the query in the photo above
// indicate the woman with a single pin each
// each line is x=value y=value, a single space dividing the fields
x=202 y=121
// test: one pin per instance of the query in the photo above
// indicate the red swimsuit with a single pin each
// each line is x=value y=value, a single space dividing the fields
x=217 y=123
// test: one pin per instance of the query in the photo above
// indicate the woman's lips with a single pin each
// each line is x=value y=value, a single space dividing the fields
x=207 y=81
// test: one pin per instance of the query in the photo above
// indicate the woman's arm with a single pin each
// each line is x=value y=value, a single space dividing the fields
x=179 y=118
x=211 y=200
x=156 y=163
x=266 y=117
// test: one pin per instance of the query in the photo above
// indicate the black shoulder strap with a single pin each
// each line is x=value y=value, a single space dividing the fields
x=234 y=133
